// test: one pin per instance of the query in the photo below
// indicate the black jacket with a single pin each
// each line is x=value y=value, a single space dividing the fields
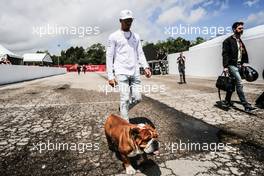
x=230 y=52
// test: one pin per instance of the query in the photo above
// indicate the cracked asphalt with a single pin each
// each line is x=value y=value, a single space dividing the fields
x=54 y=126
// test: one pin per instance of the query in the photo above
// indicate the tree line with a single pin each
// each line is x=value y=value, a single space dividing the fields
x=96 y=53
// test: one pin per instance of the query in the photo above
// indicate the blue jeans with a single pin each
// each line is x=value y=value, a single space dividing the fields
x=130 y=95
x=234 y=72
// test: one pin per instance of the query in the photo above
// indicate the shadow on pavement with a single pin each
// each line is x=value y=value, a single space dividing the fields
x=222 y=106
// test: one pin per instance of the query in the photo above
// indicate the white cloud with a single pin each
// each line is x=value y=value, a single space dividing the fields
x=196 y=15
x=171 y=16
x=208 y=3
x=189 y=11
x=17 y=19
x=181 y=13
x=223 y=5
x=250 y=3
x=255 y=19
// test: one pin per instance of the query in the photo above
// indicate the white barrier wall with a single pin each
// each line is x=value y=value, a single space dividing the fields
x=205 y=60
x=17 y=73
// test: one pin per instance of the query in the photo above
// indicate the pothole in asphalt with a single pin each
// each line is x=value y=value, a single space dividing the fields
x=63 y=87
x=32 y=93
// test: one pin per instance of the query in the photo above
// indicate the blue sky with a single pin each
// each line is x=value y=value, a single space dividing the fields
x=237 y=10
x=152 y=18
x=217 y=13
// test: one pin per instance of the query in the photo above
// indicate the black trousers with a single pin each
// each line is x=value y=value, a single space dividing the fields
x=182 y=73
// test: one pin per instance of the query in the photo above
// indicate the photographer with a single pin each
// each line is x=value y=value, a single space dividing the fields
x=181 y=68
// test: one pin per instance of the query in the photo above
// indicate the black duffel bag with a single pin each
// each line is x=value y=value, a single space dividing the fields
x=226 y=83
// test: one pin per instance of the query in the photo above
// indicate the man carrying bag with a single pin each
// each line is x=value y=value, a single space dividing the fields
x=234 y=57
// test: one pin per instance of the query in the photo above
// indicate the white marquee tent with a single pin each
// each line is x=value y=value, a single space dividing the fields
x=4 y=51
x=16 y=59
x=37 y=58
x=205 y=59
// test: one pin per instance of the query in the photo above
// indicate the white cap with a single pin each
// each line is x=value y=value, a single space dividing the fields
x=125 y=14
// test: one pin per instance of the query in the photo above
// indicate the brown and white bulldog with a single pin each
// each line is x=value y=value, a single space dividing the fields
x=130 y=139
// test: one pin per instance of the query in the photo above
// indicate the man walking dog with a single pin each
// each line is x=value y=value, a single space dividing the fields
x=124 y=56
x=234 y=57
